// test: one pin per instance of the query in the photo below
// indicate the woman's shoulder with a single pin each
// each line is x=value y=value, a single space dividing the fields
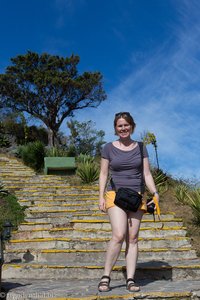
x=107 y=146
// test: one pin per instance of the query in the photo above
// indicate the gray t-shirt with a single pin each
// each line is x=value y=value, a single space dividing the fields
x=125 y=167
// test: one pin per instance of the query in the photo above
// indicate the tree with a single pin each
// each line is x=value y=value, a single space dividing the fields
x=49 y=88
x=84 y=138
x=149 y=138
x=15 y=126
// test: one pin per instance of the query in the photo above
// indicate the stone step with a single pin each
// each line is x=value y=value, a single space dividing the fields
x=32 y=185
x=62 y=218
x=81 y=212
x=57 y=190
x=47 y=195
x=63 y=206
x=12 y=173
x=66 y=289
x=93 y=243
x=46 y=230
x=86 y=211
x=61 y=256
x=104 y=224
x=152 y=270
x=56 y=221
x=34 y=226
x=57 y=201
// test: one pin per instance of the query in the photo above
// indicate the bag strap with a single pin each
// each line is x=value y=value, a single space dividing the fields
x=141 y=145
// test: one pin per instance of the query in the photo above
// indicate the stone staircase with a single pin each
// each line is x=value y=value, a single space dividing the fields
x=64 y=238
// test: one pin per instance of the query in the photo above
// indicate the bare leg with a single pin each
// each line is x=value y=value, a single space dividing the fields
x=134 y=220
x=118 y=220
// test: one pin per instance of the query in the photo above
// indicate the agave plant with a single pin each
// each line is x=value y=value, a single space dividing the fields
x=85 y=158
x=180 y=192
x=3 y=191
x=161 y=180
x=193 y=199
x=88 y=172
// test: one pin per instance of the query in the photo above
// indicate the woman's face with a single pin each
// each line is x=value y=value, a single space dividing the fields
x=123 y=128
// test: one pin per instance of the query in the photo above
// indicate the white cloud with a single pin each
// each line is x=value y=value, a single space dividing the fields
x=66 y=8
x=164 y=97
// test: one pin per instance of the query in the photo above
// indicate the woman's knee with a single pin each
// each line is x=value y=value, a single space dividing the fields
x=118 y=237
x=132 y=239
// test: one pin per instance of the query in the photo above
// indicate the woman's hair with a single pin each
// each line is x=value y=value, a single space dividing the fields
x=126 y=116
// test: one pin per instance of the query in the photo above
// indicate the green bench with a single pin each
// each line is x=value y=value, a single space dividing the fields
x=59 y=165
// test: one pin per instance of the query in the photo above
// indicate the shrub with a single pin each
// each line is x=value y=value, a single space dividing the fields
x=88 y=172
x=193 y=199
x=11 y=210
x=3 y=191
x=4 y=141
x=56 y=151
x=33 y=155
x=85 y=158
x=180 y=192
x=161 y=180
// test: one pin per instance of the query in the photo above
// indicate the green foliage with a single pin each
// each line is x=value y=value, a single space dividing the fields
x=161 y=180
x=149 y=138
x=4 y=141
x=84 y=158
x=33 y=155
x=71 y=150
x=11 y=210
x=88 y=172
x=15 y=125
x=189 y=196
x=49 y=88
x=3 y=191
x=193 y=199
x=56 y=151
x=180 y=193
x=84 y=138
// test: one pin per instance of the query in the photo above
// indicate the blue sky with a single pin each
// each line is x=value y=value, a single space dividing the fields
x=148 y=52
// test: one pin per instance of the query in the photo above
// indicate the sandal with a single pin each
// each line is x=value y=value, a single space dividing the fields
x=105 y=284
x=131 y=286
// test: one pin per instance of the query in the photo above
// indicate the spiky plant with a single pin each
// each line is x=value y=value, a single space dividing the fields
x=88 y=172
x=180 y=193
x=193 y=199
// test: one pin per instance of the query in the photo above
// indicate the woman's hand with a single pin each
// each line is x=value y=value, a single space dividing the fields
x=102 y=204
x=155 y=200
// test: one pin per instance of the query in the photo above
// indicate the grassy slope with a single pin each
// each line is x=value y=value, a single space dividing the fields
x=169 y=203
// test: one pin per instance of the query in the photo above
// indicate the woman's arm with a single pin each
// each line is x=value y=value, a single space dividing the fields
x=102 y=182
x=149 y=178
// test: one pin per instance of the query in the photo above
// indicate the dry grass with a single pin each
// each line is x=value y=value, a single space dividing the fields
x=169 y=203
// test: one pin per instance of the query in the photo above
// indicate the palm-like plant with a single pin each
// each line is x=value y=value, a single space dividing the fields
x=150 y=138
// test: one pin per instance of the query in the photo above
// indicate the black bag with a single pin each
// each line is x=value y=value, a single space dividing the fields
x=128 y=199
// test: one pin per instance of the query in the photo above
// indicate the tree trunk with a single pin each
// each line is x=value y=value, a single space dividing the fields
x=157 y=158
x=50 y=138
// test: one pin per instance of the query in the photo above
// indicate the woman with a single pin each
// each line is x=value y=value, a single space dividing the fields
x=123 y=159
